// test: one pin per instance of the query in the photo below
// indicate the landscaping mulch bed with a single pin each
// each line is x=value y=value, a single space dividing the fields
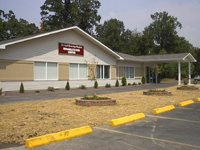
x=21 y=121
x=187 y=88
x=158 y=93
x=92 y=102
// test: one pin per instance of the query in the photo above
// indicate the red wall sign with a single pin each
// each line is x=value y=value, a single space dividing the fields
x=70 y=49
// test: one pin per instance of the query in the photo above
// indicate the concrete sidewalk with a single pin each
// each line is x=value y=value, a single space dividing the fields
x=77 y=93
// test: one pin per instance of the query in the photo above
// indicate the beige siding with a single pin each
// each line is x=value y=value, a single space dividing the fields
x=139 y=72
x=113 y=72
x=46 y=49
x=63 y=71
x=121 y=72
x=11 y=70
x=131 y=64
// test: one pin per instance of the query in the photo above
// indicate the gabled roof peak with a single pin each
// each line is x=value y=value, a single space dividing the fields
x=3 y=44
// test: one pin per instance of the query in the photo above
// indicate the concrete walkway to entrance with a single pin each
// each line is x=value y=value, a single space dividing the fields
x=77 y=93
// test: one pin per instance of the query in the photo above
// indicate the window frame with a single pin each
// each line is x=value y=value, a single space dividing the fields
x=79 y=71
x=103 y=69
x=129 y=68
x=46 y=79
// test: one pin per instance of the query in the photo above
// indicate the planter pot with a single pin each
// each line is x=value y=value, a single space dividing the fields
x=101 y=102
x=187 y=88
x=166 y=93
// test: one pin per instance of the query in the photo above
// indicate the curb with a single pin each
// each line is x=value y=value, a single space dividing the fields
x=163 y=109
x=198 y=99
x=56 y=137
x=124 y=120
x=182 y=104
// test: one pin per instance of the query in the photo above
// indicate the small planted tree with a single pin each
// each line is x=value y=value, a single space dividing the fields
x=21 y=90
x=67 y=87
x=124 y=83
x=143 y=80
x=157 y=70
x=96 y=84
x=117 y=83
x=92 y=74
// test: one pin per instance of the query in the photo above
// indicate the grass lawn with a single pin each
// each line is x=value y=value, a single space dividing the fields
x=21 y=121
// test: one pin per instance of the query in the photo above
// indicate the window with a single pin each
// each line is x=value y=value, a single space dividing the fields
x=82 y=71
x=45 y=71
x=73 y=71
x=103 y=72
x=106 y=72
x=99 y=71
x=77 y=71
x=129 y=72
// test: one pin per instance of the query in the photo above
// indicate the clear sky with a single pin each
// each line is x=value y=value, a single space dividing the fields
x=134 y=13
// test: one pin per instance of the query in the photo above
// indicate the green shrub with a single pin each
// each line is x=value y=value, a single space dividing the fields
x=139 y=83
x=82 y=86
x=67 y=87
x=107 y=85
x=124 y=81
x=95 y=96
x=129 y=84
x=134 y=83
x=195 y=81
x=117 y=83
x=21 y=90
x=37 y=91
x=185 y=82
x=143 y=80
x=96 y=84
x=85 y=96
x=154 y=90
x=51 y=88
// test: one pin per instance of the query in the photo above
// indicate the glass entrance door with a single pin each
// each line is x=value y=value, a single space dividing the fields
x=150 y=75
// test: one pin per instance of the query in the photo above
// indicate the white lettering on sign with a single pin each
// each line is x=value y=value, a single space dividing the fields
x=73 y=48
x=71 y=52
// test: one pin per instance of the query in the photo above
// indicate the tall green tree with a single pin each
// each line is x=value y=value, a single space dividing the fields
x=110 y=33
x=163 y=30
x=197 y=64
x=130 y=40
x=58 y=14
x=10 y=27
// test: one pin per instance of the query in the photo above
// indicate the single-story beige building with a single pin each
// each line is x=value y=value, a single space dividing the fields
x=53 y=58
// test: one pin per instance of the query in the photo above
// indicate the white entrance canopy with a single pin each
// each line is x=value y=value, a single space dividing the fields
x=165 y=58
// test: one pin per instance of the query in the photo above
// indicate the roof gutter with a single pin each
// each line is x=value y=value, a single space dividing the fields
x=153 y=60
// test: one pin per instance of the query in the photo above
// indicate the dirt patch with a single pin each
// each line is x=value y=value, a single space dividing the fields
x=21 y=121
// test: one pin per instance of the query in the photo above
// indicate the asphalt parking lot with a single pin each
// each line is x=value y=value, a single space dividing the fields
x=177 y=129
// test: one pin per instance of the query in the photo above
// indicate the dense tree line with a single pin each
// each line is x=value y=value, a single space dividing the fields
x=59 y=14
x=159 y=37
x=10 y=27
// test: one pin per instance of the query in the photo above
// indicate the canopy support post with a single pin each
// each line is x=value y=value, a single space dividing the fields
x=179 y=73
x=189 y=72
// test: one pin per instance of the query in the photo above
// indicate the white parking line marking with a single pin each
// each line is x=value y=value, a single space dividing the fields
x=145 y=137
x=131 y=145
x=172 y=118
x=188 y=108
